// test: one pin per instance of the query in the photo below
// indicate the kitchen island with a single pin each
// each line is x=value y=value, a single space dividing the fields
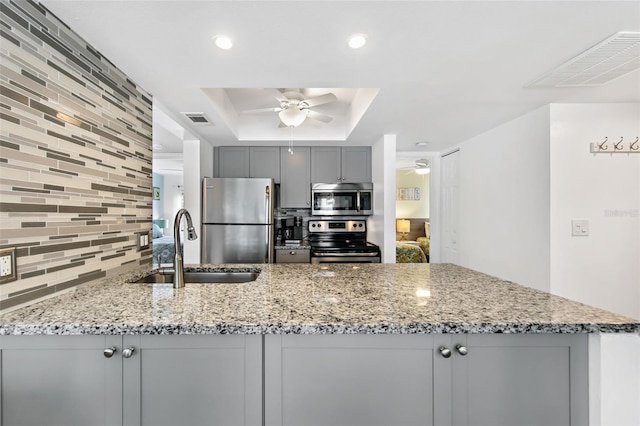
x=305 y=344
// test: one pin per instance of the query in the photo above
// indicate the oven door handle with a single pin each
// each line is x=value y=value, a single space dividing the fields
x=337 y=254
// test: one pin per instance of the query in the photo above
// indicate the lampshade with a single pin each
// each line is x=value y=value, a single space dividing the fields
x=403 y=226
x=292 y=116
x=162 y=223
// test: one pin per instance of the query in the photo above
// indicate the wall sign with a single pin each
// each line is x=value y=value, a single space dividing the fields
x=408 y=194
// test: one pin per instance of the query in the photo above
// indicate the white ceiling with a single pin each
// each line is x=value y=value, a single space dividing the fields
x=445 y=70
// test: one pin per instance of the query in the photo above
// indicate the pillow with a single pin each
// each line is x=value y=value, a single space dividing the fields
x=426 y=230
x=157 y=232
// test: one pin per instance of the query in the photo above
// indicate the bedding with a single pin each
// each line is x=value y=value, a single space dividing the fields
x=163 y=247
x=409 y=253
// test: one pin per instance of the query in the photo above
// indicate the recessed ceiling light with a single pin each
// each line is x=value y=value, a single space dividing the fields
x=356 y=41
x=157 y=146
x=223 y=42
x=421 y=143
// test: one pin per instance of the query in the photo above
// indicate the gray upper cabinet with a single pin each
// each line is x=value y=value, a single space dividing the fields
x=295 y=185
x=264 y=162
x=340 y=164
x=233 y=161
x=249 y=162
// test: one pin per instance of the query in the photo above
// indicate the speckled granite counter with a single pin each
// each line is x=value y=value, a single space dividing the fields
x=315 y=299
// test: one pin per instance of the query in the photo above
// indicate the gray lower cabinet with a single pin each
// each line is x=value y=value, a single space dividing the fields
x=351 y=380
x=387 y=379
x=60 y=381
x=293 y=255
x=295 y=184
x=163 y=380
x=425 y=379
x=193 y=380
x=520 y=379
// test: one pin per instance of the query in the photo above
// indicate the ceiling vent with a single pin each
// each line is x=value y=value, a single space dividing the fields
x=606 y=61
x=197 y=118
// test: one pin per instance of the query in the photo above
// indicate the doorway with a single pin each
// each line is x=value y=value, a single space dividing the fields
x=414 y=185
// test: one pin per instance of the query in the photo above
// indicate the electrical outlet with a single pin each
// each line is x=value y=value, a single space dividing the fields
x=143 y=240
x=8 y=264
x=5 y=265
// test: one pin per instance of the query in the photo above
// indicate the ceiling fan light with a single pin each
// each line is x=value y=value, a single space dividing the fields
x=356 y=41
x=223 y=42
x=292 y=117
x=423 y=170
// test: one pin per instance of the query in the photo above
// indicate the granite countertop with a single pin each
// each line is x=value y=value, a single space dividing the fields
x=314 y=299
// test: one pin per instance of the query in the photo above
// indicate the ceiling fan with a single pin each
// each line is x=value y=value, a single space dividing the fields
x=421 y=167
x=295 y=107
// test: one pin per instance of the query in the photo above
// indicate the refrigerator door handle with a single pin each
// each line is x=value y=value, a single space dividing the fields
x=267 y=207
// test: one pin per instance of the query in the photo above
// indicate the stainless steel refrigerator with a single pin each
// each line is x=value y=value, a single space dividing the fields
x=237 y=220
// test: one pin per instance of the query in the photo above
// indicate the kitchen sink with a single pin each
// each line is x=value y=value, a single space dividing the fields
x=204 y=277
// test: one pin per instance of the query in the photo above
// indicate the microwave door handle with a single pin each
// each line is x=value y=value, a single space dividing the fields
x=358 y=201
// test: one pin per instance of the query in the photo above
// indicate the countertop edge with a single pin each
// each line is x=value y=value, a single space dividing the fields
x=281 y=329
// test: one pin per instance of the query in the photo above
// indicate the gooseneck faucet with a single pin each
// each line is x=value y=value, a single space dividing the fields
x=178 y=267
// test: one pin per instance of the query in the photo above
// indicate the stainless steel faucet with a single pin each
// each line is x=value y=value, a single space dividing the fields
x=178 y=273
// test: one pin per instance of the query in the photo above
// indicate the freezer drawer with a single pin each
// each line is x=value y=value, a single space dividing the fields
x=292 y=256
x=237 y=244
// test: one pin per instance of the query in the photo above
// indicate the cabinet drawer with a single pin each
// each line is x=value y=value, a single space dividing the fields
x=293 y=256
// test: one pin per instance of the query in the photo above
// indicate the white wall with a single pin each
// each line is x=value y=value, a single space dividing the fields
x=504 y=201
x=413 y=208
x=600 y=269
x=198 y=163
x=172 y=199
x=382 y=227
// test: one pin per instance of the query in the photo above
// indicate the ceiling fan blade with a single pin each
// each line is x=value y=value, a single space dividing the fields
x=260 y=110
x=322 y=99
x=319 y=116
x=278 y=95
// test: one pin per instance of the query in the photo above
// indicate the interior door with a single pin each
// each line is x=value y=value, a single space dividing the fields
x=450 y=187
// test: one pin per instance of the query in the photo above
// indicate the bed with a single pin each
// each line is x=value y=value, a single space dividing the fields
x=413 y=247
x=407 y=252
x=163 y=247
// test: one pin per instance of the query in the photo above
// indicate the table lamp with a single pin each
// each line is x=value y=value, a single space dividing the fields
x=403 y=226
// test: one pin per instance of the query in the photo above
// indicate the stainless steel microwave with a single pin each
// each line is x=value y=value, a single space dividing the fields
x=342 y=199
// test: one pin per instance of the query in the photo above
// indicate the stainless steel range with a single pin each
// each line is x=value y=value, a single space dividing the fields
x=341 y=241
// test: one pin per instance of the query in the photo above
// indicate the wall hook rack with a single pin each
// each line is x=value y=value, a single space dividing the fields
x=620 y=147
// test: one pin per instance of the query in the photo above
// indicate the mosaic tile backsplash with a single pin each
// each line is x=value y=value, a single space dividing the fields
x=75 y=157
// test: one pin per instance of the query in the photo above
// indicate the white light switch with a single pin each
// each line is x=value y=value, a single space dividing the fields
x=579 y=227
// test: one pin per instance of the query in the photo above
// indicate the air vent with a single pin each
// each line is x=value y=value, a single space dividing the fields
x=608 y=60
x=197 y=118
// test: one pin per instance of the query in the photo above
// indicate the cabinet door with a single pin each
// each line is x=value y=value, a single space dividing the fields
x=233 y=161
x=295 y=185
x=356 y=164
x=325 y=164
x=264 y=162
x=350 y=380
x=193 y=380
x=60 y=380
x=524 y=380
